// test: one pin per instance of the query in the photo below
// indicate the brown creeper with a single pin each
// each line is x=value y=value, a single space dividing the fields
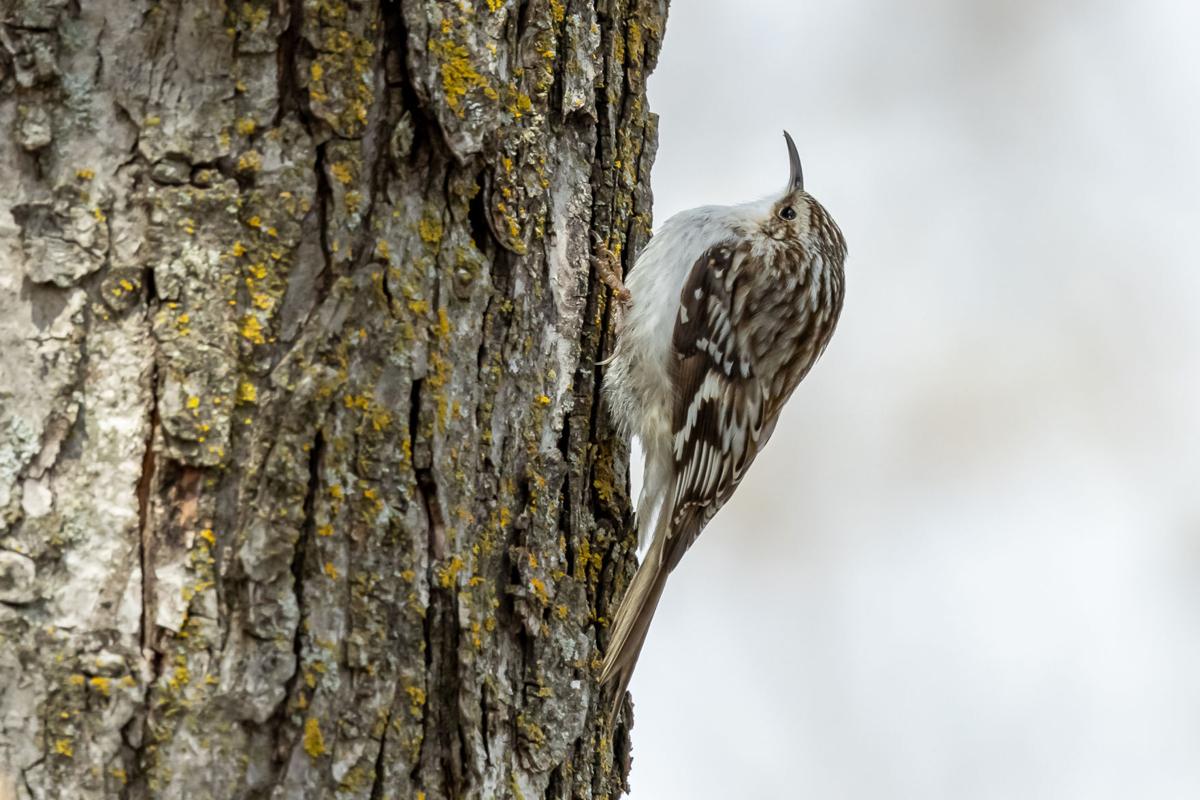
x=730 y=306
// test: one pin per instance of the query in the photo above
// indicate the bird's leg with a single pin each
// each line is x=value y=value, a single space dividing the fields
x=608 y=268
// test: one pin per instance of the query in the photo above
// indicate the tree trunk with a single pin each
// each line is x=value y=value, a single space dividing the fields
x=305 y=486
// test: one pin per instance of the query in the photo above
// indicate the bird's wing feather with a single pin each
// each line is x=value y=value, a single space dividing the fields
x=722 y=409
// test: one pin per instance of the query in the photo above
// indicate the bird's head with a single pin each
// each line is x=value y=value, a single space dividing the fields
x=788 y=216
x=796 y=217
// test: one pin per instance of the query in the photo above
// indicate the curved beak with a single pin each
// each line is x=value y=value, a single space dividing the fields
x=796 y=180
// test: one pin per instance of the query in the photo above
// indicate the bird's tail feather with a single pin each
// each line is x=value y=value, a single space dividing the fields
x=632 y=620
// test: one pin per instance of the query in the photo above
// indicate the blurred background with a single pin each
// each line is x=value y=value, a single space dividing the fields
x=968 y=563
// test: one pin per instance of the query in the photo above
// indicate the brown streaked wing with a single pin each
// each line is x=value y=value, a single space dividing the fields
x=720 y=403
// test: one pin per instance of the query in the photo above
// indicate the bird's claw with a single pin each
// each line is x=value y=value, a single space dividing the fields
x=608 y=268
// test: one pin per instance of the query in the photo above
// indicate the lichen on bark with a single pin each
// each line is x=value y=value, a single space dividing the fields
x=305 y=486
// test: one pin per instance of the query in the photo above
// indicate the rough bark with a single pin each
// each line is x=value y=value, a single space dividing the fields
x=305 y=489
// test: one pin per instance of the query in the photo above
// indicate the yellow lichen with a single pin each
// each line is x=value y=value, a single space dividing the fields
x=447 y=574
x=539 y=590
x=100 y=684
x=245 y=126
x=430 y=229
x=180 y=677
x=252 y=329
x=193 y=402
x=247 y=392
x=63 y=748
x=250 y=161
x=208 y=536
x=521 y=105
x=85 y=174
x=635 y=42
x=416 y=695
x=458 y=74
x=342 y=170
x=314 y=742
x=331 y=570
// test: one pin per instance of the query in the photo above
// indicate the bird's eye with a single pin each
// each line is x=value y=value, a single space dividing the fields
x=787 y=212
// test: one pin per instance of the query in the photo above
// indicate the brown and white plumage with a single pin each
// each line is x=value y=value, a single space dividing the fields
x=731 y=306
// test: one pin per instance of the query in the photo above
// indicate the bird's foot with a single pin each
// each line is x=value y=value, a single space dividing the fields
x=608 y=268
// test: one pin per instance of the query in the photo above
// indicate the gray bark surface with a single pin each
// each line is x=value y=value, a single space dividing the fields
x=305 y=489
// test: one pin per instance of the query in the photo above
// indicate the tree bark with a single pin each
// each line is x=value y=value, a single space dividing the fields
x=305 y=486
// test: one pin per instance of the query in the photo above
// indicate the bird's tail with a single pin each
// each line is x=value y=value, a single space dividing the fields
x=632 y=619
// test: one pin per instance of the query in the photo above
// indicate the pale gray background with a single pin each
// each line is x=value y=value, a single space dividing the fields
x=968 y=564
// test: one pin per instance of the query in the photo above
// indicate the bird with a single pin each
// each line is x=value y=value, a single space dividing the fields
x=725 y=311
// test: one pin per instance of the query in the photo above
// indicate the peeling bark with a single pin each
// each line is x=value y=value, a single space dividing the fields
x=305 y=490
